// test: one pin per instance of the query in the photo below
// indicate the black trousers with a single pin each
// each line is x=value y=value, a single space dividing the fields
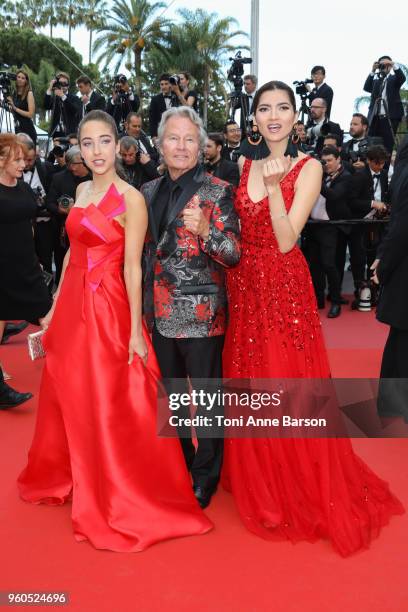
x=321 y=247
x=355 y=242
x=44 y=238
x=393 y=388
x=380 y=127
x=194 y=358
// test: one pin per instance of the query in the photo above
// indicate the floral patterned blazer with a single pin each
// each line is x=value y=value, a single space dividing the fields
x=184 y=281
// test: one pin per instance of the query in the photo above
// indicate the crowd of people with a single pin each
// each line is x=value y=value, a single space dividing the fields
x=224 y=290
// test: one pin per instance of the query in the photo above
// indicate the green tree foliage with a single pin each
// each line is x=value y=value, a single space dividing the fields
x=131 y=29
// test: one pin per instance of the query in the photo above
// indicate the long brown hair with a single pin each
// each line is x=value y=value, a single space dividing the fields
x=27 y=86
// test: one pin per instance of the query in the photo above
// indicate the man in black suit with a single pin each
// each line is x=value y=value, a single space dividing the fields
x=136 y=167
x=391 y=271
x=246 y=101
x=134 y=128
x=386 y=109
x=38 y=175
x=354 y=150
x=64 y=105
x=320 y=125
x=64 y=183
x=369 y=196
x=90 y=98
x=193 y=237
x=232 y=141
x=216 y=165
x=122 y=102
x=320 y=88
x=161 y=102
x=322 y=239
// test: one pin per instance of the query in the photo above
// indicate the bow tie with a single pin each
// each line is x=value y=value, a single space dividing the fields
x=376 y=176
x=166 y=96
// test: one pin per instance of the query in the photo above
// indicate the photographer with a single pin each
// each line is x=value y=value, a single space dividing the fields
x=57 y=154
x=320 y=88
x=386 y=109
x=38 y=175
x=134 y=128
x=136 y=167
x=216 y=165
x=65 y=106
x=122 y=102
x=22 y=105
x=355 y=150
x=232 y=136
x=320 y=125
x=60 y=199
x=160 y=103
x=246 y=100
x=321 y=240
x=369 y=197
x=90 y=99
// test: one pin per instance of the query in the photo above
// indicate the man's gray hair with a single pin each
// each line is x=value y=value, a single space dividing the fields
x=71 y=154
x=25 y=139
x=184 y=112
x=127 y=142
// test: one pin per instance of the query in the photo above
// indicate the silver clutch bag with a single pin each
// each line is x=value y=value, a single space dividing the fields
x=35 y=345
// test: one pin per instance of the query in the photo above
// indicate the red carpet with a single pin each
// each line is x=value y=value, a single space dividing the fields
x=226 y=570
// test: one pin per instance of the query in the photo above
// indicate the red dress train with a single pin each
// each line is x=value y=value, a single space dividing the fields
x=95 y=439
x=296 y=489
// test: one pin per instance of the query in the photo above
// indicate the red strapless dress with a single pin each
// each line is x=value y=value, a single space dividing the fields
x=95 y=438
x=297 y=489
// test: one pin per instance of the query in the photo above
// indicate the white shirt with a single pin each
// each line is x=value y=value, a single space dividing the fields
x=377 y=187
x=319 y=211
x=32 y=178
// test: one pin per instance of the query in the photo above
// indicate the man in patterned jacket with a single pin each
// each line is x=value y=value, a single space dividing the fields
x=193 y=236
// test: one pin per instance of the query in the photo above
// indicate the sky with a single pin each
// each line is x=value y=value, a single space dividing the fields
x=295 y=35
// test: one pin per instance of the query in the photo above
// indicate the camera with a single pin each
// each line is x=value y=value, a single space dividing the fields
x=65 y=201
x=57 y=84
x=301 y=88
x=5 y=81
x=60 y=149
x=42 y=210
x=236 y=70
x=174 y=79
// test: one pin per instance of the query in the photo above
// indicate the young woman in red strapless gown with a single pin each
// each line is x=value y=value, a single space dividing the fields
x=95 y=439
x=296 y=489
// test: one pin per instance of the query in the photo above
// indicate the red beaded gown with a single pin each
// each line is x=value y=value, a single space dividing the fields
x=296 y=489
x=95 y=439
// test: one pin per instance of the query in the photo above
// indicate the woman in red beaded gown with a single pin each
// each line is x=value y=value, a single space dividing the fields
x=296 y=489
x=96 y=437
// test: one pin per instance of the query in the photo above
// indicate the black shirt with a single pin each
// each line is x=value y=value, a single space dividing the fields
x=169 y=192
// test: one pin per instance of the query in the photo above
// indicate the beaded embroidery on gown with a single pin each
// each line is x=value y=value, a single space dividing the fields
x=296 y=489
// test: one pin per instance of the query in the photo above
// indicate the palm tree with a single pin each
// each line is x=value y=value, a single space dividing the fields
x=130 y=30
x=202 y=41
x=94 y=18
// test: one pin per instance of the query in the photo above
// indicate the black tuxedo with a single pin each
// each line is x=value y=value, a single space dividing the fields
x=230 y=153
x=120 y=110
x=225 y=170
x=67 y=112
x=379 y=123
x=96 y=102
x=321 y=240
x=245 y=104
x=394 y=83
x=324 y=92
x=157 y=108
x=362 y=191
